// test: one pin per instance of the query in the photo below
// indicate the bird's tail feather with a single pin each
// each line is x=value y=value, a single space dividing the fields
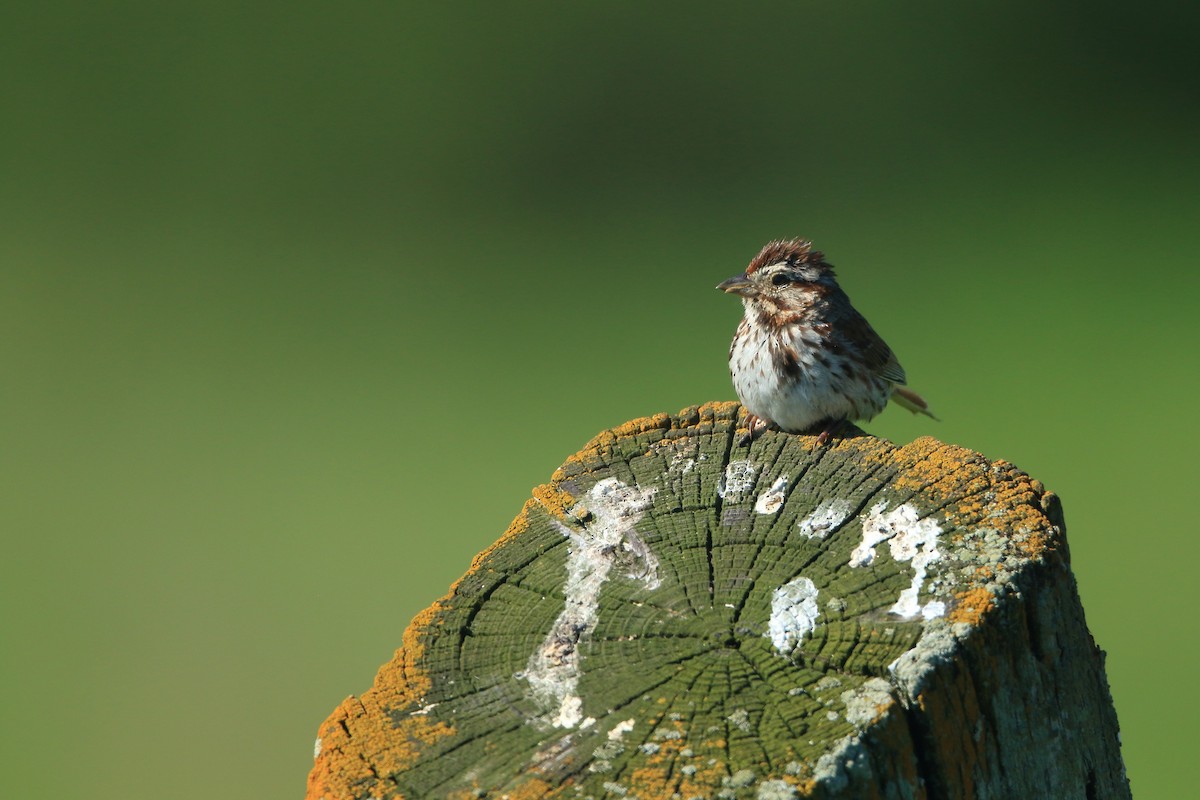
x=907 y=398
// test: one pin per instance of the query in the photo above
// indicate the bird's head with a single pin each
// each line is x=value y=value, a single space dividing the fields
x=783 y=271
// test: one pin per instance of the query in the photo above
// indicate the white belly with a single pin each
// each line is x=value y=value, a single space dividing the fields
x=796 y=403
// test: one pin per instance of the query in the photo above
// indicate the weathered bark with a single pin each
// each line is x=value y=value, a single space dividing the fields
x=675 y=615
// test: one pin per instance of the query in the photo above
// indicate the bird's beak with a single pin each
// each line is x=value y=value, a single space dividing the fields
x=738 y=284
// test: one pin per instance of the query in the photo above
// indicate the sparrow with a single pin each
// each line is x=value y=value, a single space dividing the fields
x=803 y=359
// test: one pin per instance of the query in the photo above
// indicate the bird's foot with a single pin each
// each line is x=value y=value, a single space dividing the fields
x=832 y=428
x=754 y=426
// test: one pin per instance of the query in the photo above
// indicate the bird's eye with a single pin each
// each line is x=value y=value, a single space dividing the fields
x=779 y=279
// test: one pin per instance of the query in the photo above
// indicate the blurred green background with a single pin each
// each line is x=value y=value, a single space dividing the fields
x=298 y=301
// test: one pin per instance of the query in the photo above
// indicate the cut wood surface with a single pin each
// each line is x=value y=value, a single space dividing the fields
x=674 y=615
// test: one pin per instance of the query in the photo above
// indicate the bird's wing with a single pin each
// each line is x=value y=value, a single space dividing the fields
x=873 y=350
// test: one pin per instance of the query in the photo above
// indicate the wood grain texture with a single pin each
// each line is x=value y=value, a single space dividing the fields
x=677 y=616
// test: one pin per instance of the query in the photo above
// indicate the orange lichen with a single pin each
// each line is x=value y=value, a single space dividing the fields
x=654 y=780
x=971 y=491
x=972 y=605
x=881 y=710
x=658 y=772
x=519 y=525
x=683 y=443
x=535 y=789
x=709 y=412
x=601 y=446
x=874 y=452
x=937 y=471
x=704 y=780
x=554 y=499
x=1015 y=507
x=806 y=787
x=360 y=742
x=1012 y=505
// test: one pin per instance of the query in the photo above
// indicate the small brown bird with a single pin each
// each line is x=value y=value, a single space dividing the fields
x=803 y=359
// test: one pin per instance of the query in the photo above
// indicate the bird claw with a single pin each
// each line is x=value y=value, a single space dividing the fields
x=831 y=430
x=754 y=426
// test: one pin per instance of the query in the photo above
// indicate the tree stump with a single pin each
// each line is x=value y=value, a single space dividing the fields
x=677 y=616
